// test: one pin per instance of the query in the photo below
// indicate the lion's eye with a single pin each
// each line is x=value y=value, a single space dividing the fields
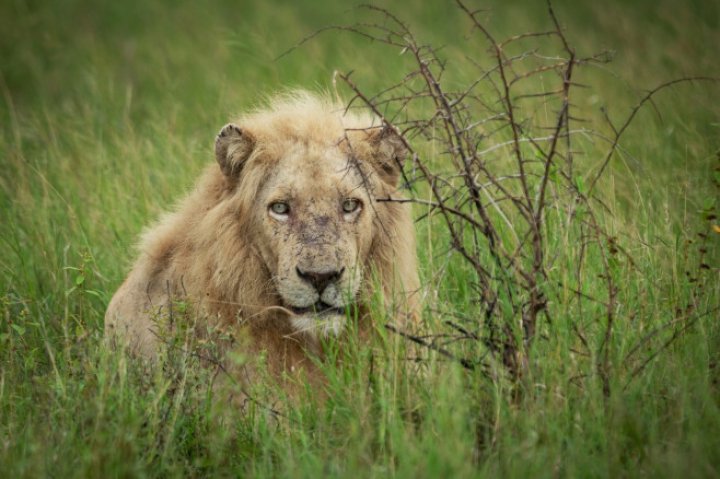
x=280 y=208
x=350 y=205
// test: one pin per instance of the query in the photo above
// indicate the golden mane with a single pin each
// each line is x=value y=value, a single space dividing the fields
x=205 y=251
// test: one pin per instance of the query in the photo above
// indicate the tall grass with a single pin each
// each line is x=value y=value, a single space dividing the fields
x=107 y=116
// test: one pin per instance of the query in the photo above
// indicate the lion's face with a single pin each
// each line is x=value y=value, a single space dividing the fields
x=315 y=215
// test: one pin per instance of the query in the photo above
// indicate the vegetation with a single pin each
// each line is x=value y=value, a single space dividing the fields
x=108 y=113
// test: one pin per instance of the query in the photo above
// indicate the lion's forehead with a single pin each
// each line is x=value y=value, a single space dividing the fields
x=315 y=173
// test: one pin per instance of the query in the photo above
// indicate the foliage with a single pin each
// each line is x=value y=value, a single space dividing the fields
x=107 y=115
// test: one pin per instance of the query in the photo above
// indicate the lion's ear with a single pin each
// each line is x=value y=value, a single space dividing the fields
x=232 y=147
x=389 y=153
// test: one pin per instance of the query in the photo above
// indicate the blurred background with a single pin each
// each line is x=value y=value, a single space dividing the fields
x=108 y=112
x=108 y=109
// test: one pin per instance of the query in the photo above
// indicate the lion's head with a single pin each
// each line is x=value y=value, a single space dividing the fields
x=307 y=178
x=291 y=233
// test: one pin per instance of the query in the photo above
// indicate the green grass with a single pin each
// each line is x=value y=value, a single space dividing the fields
x=107 y=115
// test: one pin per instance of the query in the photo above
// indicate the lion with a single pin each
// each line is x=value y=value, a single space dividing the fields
x=284 y=239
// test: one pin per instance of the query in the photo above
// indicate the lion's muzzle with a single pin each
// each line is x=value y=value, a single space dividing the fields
x=320 y=279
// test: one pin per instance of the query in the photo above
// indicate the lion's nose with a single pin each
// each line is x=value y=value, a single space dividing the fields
x=320 y=279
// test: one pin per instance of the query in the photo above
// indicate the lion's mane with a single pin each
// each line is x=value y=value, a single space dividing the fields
x=204 y=253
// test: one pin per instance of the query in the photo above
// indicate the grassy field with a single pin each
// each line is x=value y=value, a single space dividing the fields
x=108 y=111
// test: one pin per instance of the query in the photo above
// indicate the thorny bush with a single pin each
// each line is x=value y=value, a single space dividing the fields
x=494 y=159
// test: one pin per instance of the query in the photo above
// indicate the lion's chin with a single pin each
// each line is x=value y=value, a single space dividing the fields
x=318 y=309
x=327 y=324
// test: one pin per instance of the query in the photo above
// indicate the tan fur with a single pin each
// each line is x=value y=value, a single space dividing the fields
x=237 y=264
